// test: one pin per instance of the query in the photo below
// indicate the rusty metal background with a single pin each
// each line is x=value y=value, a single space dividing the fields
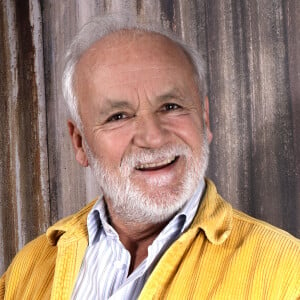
x=252 y=49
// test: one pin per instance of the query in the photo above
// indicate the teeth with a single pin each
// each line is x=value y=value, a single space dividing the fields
x=155 y=165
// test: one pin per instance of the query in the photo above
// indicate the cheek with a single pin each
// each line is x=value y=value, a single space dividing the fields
x=112 y=145
x=188 y=128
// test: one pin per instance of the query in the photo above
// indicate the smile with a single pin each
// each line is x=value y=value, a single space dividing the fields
x=156 y=165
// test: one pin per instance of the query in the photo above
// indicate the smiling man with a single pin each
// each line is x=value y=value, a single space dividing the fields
x=140 y=120
x=142 y=125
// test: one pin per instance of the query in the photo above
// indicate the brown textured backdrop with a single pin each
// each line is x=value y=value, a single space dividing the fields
x=252 y=49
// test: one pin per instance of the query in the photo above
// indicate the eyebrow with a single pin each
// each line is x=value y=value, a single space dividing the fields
x=111 y=104
x=172 y=93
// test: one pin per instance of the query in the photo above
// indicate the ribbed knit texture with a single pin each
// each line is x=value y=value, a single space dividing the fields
x=224 y=255
x=104 y=271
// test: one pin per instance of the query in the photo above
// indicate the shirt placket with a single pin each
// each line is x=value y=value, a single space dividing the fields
x=120 y=264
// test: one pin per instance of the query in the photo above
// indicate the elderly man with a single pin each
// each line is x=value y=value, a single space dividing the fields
x=140 y=120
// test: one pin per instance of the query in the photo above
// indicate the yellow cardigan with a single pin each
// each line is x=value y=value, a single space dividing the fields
x=224 y=255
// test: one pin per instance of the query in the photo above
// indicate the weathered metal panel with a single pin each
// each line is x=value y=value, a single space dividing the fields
x=24 y=190
x=68 y=188
x=250 y=100
x=252 y=49
x=292 y=39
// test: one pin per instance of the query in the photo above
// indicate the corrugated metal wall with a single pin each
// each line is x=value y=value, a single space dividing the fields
x=252 y=49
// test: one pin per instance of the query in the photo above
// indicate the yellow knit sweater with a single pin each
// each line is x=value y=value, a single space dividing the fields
x=224 y=255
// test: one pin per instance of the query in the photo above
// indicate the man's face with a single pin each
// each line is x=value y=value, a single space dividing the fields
x=143 y=124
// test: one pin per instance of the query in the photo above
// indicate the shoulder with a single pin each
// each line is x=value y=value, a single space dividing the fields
x=46 y=244
x=274 y=252
x=261 y=252
x=240 y=227
x=247 y=226
x=32 y=251
x=36 y=261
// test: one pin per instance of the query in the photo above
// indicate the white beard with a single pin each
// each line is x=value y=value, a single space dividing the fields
x=133 y=205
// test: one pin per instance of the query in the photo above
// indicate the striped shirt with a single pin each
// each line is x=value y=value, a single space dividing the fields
x=104 y=270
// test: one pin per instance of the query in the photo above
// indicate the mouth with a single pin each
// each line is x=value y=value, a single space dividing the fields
x=157 y=165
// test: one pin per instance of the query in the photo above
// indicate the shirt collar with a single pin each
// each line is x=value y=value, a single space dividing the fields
x=97 y=218
x=190 y=208
x=214 y=217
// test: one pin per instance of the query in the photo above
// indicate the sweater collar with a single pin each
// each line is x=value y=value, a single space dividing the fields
x=214 y=217
x=71 y=228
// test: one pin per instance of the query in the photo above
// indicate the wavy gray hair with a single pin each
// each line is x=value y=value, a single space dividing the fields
x=99 y=27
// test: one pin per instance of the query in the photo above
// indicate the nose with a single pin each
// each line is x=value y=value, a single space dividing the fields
x=149 y=133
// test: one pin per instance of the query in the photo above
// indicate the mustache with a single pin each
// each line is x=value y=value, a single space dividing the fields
x=144 y=156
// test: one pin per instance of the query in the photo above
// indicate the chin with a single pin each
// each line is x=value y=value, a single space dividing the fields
x=158 y=205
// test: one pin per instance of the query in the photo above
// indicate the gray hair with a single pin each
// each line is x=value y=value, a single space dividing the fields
x=100 y=27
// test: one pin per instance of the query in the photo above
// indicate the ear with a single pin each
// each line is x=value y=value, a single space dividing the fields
x=76 y=139
x=206 y=120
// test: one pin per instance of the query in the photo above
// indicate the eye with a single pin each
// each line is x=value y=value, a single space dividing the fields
x=170 y=106
x=117 y=117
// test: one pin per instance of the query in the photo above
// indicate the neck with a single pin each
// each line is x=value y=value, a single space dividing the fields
x=136 y=237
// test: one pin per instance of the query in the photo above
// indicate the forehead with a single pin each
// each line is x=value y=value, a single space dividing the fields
x=132 y=49
x=132 y=65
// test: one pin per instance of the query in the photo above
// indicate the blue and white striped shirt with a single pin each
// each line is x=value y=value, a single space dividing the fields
x=104 y=270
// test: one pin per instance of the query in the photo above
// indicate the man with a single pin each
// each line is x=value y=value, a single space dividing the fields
x=140 y=120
